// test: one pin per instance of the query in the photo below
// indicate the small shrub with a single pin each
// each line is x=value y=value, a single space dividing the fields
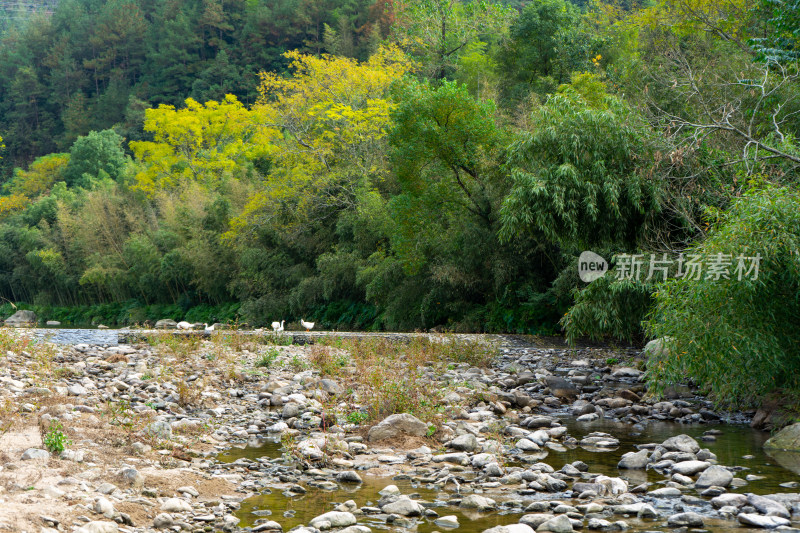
x=277 y=340
x=189 y=395
x=55 y=440
x=268 y=359
x=356 y=417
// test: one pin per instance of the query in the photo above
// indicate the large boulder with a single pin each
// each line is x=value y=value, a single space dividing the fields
x=395 y=425
x=634 y=460
x=166 y=323
x=681 y=443
x=561 y=388
x=22 y=318
x=335 y=519
x=658 y=349
x=766 y=522
x=787 y=439
x=404 y=506
x=714 y=476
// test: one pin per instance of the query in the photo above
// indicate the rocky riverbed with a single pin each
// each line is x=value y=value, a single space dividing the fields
x=229 y=434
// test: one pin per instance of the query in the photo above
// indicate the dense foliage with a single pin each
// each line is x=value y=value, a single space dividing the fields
x=407 y=164
x=738 y=337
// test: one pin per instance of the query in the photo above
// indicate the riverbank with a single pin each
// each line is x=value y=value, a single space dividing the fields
x=159 y=437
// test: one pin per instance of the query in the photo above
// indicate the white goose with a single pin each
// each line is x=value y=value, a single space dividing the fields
x=276 y=327
x=208 y=329
x=184 y=325
x=308 y=325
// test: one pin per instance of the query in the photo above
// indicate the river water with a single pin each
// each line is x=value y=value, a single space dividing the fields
x=737 y=446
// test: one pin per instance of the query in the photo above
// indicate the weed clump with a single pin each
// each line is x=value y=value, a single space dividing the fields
x=394 y=376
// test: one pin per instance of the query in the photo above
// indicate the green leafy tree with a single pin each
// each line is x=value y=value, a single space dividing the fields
x=582 y=175
x=782 y=42
x=96 y=155
x=438 y=31
x=737 y=338
x=546 y=41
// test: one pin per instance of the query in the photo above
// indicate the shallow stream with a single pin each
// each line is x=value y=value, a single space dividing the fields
x=736 y=446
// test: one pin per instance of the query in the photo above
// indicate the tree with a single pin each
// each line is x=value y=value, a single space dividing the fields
x=736 y=335
x=200 y=143
x=96 y=155
x=783 y=44
x=582 y=176
x=330 y=121
x=545 y=41
x=445 y=142
x=40 y=176
x=437 y=31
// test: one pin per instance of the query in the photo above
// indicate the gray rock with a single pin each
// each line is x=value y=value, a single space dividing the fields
x=132 y=477
x=561 y=388
x=714 y=476
x=767 y=506
x=626 y=373
x=104 y=507
x=188 y=489
x=53 y=323
x=22 y=317
x=511 y=528
x=35 y=453
x=558 y=524
x=665 y=492
x=689 y=468
x=647 y=511
x=535 y=520
x=681 y=443
x=354 y=529
x=98 y=527
x=163 y=521
x=166 y=323
x=335 y=519
x=729 y=499
x=598 y=523
x=159 y=429
x=658 y=349
x=447 y=521
x=766 y=522
x=348 y=476
x=403 y=506
x=77 y=390
x=291 y=410
x=685 y=519
x=464 y=443
x=330 y=386
x=787 y=439
x=398 y=424
x=459 y=458
x=527 y=445
x=481 y=503
x=482 y=459
x=176 y=505
x=270 y=525
x=634 y=460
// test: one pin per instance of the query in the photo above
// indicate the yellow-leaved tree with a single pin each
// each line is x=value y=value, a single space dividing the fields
x=331 y=116
x=729 y=20
x=200 y=143
x=40 y=176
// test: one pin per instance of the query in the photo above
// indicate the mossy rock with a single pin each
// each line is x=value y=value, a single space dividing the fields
x=787 y=439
